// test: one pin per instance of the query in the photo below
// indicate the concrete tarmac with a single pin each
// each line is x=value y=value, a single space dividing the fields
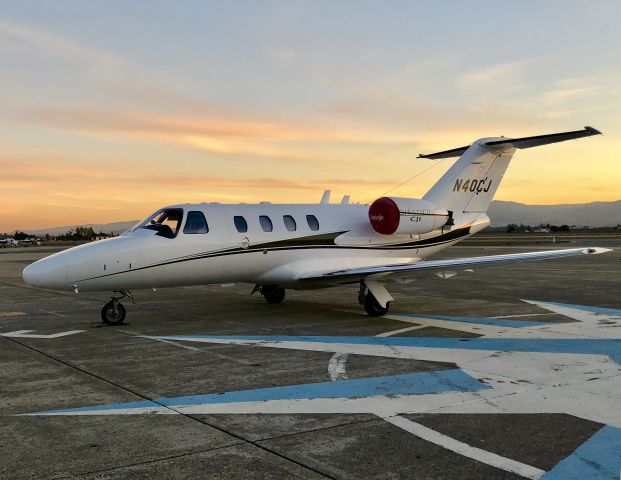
x=247 y=389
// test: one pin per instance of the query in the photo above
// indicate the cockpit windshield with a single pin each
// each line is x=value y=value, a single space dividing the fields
x=165 y=222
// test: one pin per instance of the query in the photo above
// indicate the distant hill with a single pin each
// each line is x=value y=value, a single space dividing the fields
x=115 y=228
x=596 y=214
x=501 y=213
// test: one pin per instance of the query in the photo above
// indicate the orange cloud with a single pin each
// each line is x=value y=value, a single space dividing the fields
x=221 y=135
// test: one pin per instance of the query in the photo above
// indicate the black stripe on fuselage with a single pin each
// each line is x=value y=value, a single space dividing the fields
x=295 y=244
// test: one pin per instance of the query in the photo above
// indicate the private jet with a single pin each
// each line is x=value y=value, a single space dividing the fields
x=302 y=246
x=8 y=242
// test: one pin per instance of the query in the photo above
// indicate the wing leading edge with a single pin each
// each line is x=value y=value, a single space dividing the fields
x=455 y=262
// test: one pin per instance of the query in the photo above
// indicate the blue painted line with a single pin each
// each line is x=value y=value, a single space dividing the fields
x=478 y=320
x=599 y=458
x=453 y=380
x=600 y=310
x=589 y=346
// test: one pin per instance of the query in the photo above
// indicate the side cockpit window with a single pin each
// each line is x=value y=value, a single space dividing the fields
x=195 y=223
x=166 y=222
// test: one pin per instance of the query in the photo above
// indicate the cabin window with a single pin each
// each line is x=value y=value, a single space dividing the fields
x=166 y=222
x=289 y=223
x=313 y=223
x=195 y=223
x=266 y=223
x=240 y=224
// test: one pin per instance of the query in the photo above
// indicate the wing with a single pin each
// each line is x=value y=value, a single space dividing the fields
x=384 y=270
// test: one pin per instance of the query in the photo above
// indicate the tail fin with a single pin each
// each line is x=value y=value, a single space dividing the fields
x=470 y=184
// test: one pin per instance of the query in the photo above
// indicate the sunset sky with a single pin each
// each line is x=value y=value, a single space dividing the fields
x=110 y=110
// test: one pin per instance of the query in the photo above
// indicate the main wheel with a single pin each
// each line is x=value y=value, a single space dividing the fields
x=112 y=315
x=373 y=308
x=273 y=294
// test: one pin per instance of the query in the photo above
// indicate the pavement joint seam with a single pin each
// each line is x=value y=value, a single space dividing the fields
x=190 y=417
x=146 y=462
x=321 y=429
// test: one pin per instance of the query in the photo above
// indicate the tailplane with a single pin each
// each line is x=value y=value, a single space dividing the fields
x=468 y=187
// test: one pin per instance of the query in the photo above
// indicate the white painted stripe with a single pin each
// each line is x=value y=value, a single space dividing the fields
x=478 y=328
x=336 y=366
x=52 y=313
x=337 y=362
x=169 y=342
x=26 y=334
x=399 y=318
x=523 y=315
x=464 y=449
x=401 y=330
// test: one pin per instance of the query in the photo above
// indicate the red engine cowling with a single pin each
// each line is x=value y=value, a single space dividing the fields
x=392 y=215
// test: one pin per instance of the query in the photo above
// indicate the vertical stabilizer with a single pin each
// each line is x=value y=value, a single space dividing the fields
x=469 y=186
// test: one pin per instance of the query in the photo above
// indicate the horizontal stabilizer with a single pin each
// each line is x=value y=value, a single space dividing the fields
x=454 y=152
x=536 y=141
x=524 y=142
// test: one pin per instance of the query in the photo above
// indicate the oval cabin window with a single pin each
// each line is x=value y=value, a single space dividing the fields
x=313 y=223
x=240 y=224
x=266 y=223
x=289 y=223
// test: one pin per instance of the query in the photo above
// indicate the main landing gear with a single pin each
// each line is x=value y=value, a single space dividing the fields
x=375 y=298
x=113 y=312
x=272 y=293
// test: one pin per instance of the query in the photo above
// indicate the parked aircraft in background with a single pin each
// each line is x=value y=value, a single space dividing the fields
x=302 y=246
x=30 y=242
x=8 y=242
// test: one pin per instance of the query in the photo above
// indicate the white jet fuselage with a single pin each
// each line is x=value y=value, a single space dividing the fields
x=303 y=246
x=141 y=258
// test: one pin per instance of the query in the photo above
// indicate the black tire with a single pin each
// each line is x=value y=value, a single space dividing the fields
x=110 y=317
x=373 y=308
x=273 y=294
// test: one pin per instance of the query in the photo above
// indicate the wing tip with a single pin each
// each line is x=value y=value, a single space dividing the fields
x=596 y=250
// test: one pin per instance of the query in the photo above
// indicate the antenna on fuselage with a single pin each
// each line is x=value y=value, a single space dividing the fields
x=325 y=198
x=345 y=200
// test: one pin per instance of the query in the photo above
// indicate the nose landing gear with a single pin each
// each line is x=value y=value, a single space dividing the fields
x=113 y=312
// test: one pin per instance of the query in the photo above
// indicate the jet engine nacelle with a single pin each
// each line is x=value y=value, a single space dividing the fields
x=392 y=215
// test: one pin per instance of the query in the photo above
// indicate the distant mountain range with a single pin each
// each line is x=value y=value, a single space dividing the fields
x=596 y=214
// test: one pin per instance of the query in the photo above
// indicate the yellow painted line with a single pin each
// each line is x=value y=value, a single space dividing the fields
x=12 y=314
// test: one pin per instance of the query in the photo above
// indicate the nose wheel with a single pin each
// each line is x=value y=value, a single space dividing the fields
x=113 y=312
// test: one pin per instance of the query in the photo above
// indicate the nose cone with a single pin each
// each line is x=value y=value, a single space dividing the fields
x=50 y=272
